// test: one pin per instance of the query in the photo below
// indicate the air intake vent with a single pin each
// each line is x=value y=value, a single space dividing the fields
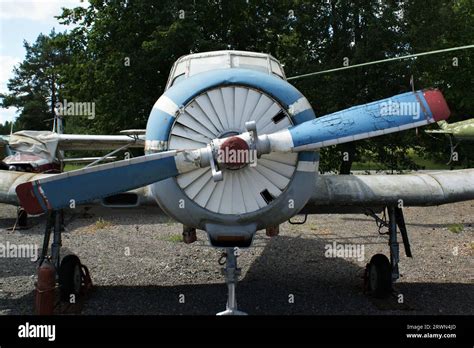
x=121 y=200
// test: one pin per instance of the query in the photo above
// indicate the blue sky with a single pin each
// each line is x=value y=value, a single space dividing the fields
x=24 y=20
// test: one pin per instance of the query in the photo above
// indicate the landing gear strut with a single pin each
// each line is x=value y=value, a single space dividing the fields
x=380 y=272
x=231 y=273
x=453 y=148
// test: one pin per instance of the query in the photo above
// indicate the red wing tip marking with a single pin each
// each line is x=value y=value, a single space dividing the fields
x=438 y=106
x=28 y=199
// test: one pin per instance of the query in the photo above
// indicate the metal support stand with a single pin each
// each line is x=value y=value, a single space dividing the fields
x=231 y=273
x=47 y=235
x=453 y=148
x=22 y=218
x=273 y=231
x=189 y=234
x=57 y=242
x=54 y=223
x=403 y=230
x=393 y=243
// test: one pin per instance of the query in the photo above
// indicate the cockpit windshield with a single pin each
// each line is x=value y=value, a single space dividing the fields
x=198 y=63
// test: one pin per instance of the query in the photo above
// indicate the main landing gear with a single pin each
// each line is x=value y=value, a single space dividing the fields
x=21 y=222
x=72 y=277
x=381 y=273
x=231 y=273
x=22 y=219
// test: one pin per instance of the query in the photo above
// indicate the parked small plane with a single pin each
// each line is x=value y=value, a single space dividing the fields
x=463 y=130
x=44 y=151
x=456 y=132
x=224 y=104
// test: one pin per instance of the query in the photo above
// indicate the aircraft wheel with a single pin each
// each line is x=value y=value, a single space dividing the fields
x=70 y=277
x=379 y=276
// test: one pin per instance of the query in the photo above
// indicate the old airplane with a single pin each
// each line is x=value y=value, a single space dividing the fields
x=44 y=152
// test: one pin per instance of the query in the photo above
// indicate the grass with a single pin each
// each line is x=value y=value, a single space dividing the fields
x=456 y=228
x=102 y=224
x=427 y=164
x=424 y=163
x=175 y=238
x=71 y=166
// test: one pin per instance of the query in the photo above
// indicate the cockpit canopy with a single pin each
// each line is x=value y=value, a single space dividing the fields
x=193 y=64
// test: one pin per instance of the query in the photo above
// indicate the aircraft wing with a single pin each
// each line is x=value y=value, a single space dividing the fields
x=98 y=142
x=332 y=194
x=26 y=140
x=440 y=131
x=357 y=193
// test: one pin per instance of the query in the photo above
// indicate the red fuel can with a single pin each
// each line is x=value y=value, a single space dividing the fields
x=45 y=289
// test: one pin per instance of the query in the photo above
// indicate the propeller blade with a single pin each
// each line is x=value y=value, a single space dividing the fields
x=400 y=112
x=83 y=185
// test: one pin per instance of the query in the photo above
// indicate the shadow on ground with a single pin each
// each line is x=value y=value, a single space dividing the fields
x=319 y=285
x=427 y=225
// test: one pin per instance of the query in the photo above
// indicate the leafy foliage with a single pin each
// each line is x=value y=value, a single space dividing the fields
x=120 y=52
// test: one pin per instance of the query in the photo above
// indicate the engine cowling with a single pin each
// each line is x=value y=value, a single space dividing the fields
x=217 y=104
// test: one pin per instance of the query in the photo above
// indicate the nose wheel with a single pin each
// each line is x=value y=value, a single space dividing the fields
x=231 y=273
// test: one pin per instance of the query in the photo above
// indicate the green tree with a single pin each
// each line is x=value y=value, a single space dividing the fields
x=5 y=128
x=34 y=88
x=120 y=52
x=447 y=24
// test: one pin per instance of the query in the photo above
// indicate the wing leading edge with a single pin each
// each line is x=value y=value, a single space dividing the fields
x=340 y=193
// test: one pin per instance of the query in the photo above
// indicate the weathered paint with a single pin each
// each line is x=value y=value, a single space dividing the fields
x=364 y=121
x=420 y=189
x=462 y=130
x=56 y=192
x=10 y=180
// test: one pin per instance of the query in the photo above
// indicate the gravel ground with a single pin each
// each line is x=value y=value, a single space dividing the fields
x=158 y=268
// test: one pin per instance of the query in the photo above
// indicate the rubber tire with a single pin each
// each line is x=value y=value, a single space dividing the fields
x=68 y=278
x=379 y=276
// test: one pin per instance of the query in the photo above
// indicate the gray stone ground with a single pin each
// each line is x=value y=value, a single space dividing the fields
x=438 y=280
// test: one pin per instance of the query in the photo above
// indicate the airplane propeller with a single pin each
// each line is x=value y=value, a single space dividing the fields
x=394 y=114
x=83 y=185
x=400 y=112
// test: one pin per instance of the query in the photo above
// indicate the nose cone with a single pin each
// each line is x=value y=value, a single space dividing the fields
x=234 y=153
x=437 y=104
